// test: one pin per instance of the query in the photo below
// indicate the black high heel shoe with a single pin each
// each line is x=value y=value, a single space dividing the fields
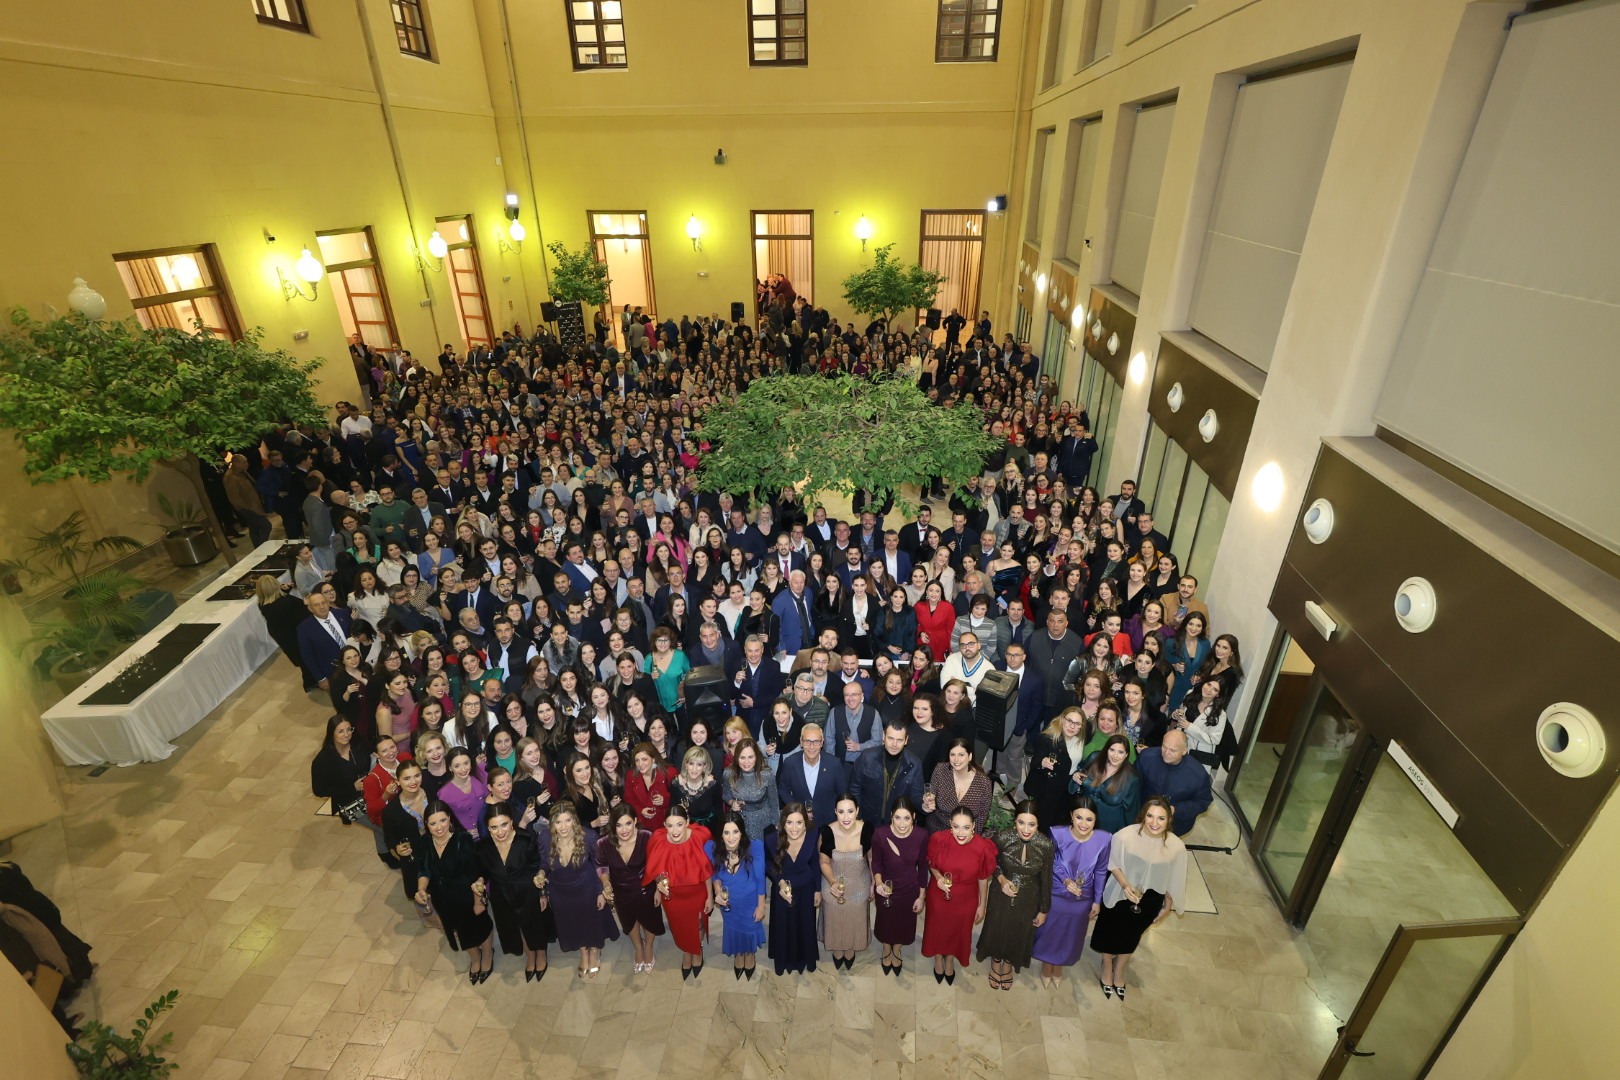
x=528 y=976
x=939 y=976
x=697 y=969
x=950 y=980
x=472 y=976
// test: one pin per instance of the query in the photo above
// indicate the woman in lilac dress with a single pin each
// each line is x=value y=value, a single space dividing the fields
x=899 y=871
x=571 y=888
x=1079 y=871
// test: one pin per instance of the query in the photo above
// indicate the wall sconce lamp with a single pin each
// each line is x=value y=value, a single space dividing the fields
x=515 y=229
x=996 y=204
x=863 y=231
x=307 y=271
x=86 y=301
x=694 y=232
x=438 y=249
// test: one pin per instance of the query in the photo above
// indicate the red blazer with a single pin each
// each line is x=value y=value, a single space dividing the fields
x=639 y=796
x=938 y=626
x=376 y=787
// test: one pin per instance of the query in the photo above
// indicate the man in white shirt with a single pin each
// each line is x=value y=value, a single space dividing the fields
x=968 y=663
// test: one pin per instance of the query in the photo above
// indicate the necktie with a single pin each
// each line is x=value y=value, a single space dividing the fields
x=334 y=629
x=805 y=640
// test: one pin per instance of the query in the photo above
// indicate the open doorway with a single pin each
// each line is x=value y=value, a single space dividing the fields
x=622 y=241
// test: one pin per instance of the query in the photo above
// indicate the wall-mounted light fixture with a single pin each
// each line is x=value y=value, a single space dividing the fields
x=1040 y=283
x=1267 y=486
x=1209 y=425
x=863 y=231
x=438 y=249
x=1137 y=368
x=514 y=228
x=1113 y=344
x=85 y=300
x=306 y=271
x=1078 y=318
x=694 y=232
x=996 y=204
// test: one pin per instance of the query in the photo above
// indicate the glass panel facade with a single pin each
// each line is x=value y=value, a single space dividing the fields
x=1271 y=726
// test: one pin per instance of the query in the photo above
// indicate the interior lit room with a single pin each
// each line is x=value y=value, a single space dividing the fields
x=1242 y=285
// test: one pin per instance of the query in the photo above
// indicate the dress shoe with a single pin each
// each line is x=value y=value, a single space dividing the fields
x=750 y=973
x=472 y=976
x=697 y=969
x=939 y=976
x=686 y=973
x=528 y=976
x=950 y=980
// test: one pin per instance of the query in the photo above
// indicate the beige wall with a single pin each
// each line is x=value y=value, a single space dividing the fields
x=34 y=1042
x=29 y=797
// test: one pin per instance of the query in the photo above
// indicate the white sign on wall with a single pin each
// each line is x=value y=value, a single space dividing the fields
x=1425 y=786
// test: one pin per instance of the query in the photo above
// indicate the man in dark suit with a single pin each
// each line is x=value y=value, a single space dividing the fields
x=711 y=647
x=1029 y=713
x=914 y=533
x=1075 y=451
x=792 y=606
x=820 y=529
x=811 y=777
x=417 y=517
x=884 y=773
x=1127 y=506
x=321 y=638
x=786 y=559
x=758 y=683
x=896 y=560
x=476 y=596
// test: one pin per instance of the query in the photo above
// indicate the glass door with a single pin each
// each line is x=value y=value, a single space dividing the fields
x=1428 y=976
x=1282 y=701
x=1321 y=780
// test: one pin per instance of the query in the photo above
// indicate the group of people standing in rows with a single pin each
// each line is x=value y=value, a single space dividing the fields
x=576 y=698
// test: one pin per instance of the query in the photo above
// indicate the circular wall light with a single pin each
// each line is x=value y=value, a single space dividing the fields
x=1174 y=397
x=1137 y=369
x=1570 y=739
x=1318 y=521
x=1113 y=344
x=1097 y=329
x=1415 y=605
x=1040 y=282
x=1208 y=425
x=1267 y=486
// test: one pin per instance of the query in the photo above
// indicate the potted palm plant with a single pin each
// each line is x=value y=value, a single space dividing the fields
x=187 y=539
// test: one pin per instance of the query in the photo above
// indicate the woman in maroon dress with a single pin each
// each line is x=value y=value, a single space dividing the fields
x=682 y=872
x=959 y=867
x=899 y=872
x=622 y=864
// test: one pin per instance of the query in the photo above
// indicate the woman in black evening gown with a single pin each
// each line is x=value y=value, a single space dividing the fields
x=450 y=877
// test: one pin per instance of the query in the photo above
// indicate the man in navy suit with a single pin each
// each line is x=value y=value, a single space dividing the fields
x=913 y=535
x=884 y=773
x=758 y=683
x=321 y=638
x=896 y=560
x=1029 y=714
x=477 y=597
x=783 y=555
x=811 y=777
x=792 y=606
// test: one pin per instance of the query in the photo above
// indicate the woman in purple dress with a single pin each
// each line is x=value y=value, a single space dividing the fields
x=899 y=871
x=572 y=889
x=1079 y=871
x=621 y=864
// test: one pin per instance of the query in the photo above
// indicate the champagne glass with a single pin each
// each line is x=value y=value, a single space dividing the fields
x=886 y=890
x=945 y=882
x=841 y=886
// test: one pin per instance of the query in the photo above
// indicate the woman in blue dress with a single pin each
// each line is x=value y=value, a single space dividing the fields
x=739 y=890
x=1186 y=654
x=1079 y=871
x=571 y=888
x=795 y=877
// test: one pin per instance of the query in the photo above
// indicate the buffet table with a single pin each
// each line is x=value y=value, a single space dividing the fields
x=172 y=678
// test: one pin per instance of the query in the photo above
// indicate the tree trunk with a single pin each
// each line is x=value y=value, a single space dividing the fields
x=191 y=469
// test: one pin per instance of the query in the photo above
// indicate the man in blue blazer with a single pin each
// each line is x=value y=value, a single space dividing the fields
x=792 y=606
x=806 y=766
x=758 y=684
x=321 y=638
x=896 y=560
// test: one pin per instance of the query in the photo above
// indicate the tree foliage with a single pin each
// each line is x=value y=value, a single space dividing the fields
x=94 y=399
x=841 y=434
x=889 y=286
x=578 y=276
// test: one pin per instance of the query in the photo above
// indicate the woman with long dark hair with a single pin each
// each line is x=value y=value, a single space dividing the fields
x=1079 y=870
x=1020 y=896
x=680 y=872
x=739 y=891
x=1110 y=781
x=794 y=874
x=450 y=881
x=960 y=864
x=512 y=875
x=899 y=874
x=622 y=865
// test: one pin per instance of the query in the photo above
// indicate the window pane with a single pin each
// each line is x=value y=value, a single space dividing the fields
x=584 y=9
x=763 y=7
x=589 y=56
x=953 y=25
x=764 y=28
x=792 y=7
x=1152 y=462
x=1211 y=524
x=793 y=28
x=982 y=46
x=586 y=32
x=793 y=50
x=612 y=9
x=613 y=32
x=765 y=50
x=983 y=24
x=1188 y=512
x=951 y=48
x=344 y=247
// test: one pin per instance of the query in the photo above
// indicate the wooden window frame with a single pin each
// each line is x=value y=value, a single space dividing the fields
x=469 y=244
x=372 y=264
x=754 y=238
x=967 y=36
x=413 y=37
x=778 y=39
x=208 y=255
x=300 y=24
x=924 y=236
x=601 y=23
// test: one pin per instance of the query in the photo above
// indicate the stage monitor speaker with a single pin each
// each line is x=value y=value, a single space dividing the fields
x=706 y=695
x=935 y=316
x=995 y=709
x=548 y=311
x=739 y=311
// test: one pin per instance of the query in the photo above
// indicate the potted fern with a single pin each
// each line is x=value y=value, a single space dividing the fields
x=186 y=536
x=100 y=1053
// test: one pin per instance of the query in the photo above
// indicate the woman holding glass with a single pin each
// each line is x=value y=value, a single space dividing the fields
x=513 y=880
x=1079 y=869
x=846 y=883
x=739 y=891
x=622 y=865
x=449 y=880
x=899 y=873
x=1147 y=877
x=573 y=889
x=1020 y=896
x=960 y=864
x=794 y=872
x=680 y=871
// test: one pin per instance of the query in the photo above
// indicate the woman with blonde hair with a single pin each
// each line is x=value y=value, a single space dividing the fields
x=570 y=886
x=697 y=789
x=1054 y=756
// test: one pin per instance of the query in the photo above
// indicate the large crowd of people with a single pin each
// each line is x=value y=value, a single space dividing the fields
x=576 y=697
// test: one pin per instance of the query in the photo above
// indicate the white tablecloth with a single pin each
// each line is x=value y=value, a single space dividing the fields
x=140 y=731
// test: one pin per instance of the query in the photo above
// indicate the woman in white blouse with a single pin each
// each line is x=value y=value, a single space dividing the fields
x=1147 y=878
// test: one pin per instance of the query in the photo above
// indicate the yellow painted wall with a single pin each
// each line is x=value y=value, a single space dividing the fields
x=35 y=1044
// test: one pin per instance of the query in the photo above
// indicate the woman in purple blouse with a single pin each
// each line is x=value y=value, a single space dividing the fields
x=464 y=792
x=1079 y=871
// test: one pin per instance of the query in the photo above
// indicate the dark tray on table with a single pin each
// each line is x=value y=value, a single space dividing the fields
x=139 y=677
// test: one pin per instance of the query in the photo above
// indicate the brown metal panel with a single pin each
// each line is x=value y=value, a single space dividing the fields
x=1203 y=388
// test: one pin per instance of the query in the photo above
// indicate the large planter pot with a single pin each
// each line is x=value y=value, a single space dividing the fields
x=189 y=546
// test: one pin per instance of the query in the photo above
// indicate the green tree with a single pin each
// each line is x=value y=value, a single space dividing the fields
x=578 y=276
x=94 y=398
x=889 y=286
x=841 y=434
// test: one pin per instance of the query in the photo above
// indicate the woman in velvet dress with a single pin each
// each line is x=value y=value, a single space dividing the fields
x=449 y=879
x=795 y=877
x=1020 y=896
x=739 y=891
x=1079 y=870
x=511 y=870
x=622 y=864
x=960 y=864
x=899 y=873
x=572 y=889
x=680 y=872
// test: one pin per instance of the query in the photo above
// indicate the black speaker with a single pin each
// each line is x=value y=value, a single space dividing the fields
x=707 y=694
x=548 y=311
x=935 y=316
x=570 y=326
x=995 y=709
x=739 y=312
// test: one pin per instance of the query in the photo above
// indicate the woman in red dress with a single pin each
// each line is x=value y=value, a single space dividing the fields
x=646 y=789
x=959 y=868
x=677 y=864
x=935 y=620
